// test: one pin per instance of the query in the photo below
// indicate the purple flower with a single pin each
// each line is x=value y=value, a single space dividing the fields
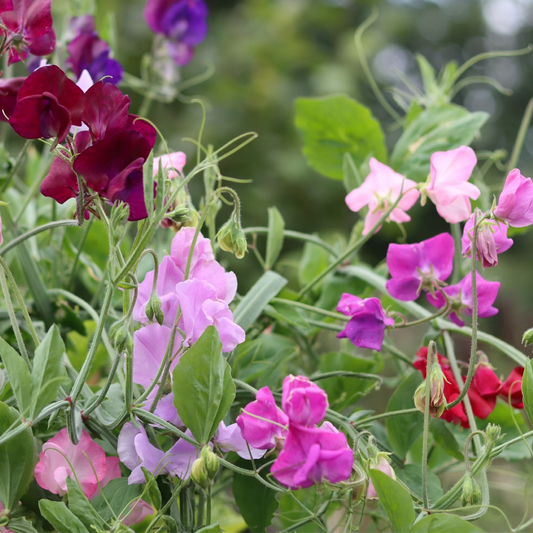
x=311 y=455
x=366 y=328
x=515 y=205
x=182 y=22
x=262 y=422
x=29 y=27
x=461 y=296
x=229 y=438
x=87 y=51
x=491 y=241
x=414 y=267
x=303 y=401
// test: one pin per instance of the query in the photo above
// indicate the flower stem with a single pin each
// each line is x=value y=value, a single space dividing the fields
x=432 y=348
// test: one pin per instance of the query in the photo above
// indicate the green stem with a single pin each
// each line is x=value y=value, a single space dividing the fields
x=78 y=253
x=432 y=348
x=457 y=262
x=16 y=165
x=520 y=137
x=208 y=505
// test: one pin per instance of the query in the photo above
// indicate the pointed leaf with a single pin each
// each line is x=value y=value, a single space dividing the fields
x=19 y=376
x=119 y=495
x=61 y=518
x=202 y=386
x=276 y=225
x=80 y=506
x=444 y=523
x=21 y=525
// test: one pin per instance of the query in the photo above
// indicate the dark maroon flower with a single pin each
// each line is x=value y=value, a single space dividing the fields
x=48 y=104
x=143 y=127
x=30 y=28
x=87 y=51
x=112 y=167
x=182 y=22
x=60 y=183
x=9 y=89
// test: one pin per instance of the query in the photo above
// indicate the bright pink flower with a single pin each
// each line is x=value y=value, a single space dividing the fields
x=515 y=381
x=384 y=466
x=515 y=205
x=311 y=455
x=173 y=163
x=60 y=459
x=461 y=296
x=415 y=267
x=491 y=241
x=366 y=328
x=380 y=189
x=449 y=189
x=263 y=432
x=29 y=24
x=303 y=401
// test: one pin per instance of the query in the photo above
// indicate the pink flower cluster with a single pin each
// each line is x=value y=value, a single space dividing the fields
x=309 y=454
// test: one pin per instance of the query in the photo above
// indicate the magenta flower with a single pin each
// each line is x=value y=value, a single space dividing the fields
x=461 y=297
x=172 y=163
x=366 y=328
x=448 y=187
x=491 y=241
x=303 y=401
x=87 y=51
x=416 y=267
x=515 y=205
x=380 y=189
x=229 y=438
x=271 y=426
x=311 y=455
x=60 y=459
x=9 y=89
x=182 y=22
x=48 y=104
x=29 y=25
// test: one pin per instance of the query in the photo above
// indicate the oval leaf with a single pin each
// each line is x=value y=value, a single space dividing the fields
x=443 y=523
x=61 y=518
x=276 y=225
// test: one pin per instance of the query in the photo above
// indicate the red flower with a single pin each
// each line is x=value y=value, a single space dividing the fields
x=516 y=394
x=9 y=89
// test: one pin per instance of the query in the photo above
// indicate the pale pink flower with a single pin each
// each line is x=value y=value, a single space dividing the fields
x=515 y=205
x=382 y=465
x=379 y=191
x=448 y=187
x=173 y=163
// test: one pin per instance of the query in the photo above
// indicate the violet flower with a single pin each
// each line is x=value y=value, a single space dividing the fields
x=87 y=51
x=262 y=422
x=461 y=298
x=29 y=25
x=491 y=240
x=448 y=186
x=515 y=205
x=415 y=267
x=229 y=438
x=379 y=191
x=303 y=401
x=366 y=328
x=311 y=455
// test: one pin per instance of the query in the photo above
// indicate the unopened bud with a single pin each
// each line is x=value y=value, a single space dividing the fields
x=153 y=308
x=471 y=492
x=493 y=432
x=192 y=220
x=437 y=403
x=199 y=473
x=180 y=214
x=119 y=335
x=120 y=213
x=527 y=338
x=231 y=238
x=211 y=461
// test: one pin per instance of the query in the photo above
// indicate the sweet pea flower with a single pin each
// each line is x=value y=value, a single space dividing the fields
x=515 y=381
x=137 y=512
x=515 y=205
x=9 y=89
x=172 y=163
x=229 y=438
x=366 y=328
x=416 y=267
x=29 y=26
x=311 y=455
x=491 y=240
x=85 y=461
x=382 y=464
x=461 y=297
x=380 y=189
x=262 y=422
x=448 y=186
x=303 y=401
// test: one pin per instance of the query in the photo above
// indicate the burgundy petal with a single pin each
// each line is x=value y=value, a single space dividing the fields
x=9 y=89
x=60 y=183
x=140 y=125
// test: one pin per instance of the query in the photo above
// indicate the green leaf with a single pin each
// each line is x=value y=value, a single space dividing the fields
x=256 y=502
x=284 y=312
x=344 y=391
x=80 y=506
x=202 y=386
x=411 y=475
x=257 y=298
x=436 y=129
x=395 y=500
x=276 y=225
x=16 y=460
x=172 y=527
x=403 y=430
x=21 y=525
x=352 y=177
x=314 y=260
x=19 y=376
x=527 y=390
x=119 y=495
x=336 y=125
x=61 y=518
x=213 y=528
x=48 y=371
x=152 y=488
x=445 y=438
x=444 y=523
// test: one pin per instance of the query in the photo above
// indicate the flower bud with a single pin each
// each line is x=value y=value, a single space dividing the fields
x=471 y=492
x=437 y=403
x=231 y=238
x=211 y=461
x=493 y=432
x=527 y=338
x=192 y=220
x=117 y=220
x=180 y=214
x=199 y=473
x=153 y=308
x=119 y=335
